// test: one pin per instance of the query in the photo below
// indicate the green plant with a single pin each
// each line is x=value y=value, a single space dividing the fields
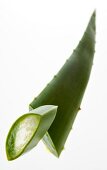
x=66 y=91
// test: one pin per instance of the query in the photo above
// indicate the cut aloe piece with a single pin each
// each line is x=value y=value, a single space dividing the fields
x=27 y=131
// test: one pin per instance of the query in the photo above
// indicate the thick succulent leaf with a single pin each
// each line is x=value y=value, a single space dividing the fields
x=67 y=88
x=27 y=130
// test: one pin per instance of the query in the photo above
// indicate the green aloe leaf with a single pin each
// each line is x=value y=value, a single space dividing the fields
x=66 y=90
x=27 y=130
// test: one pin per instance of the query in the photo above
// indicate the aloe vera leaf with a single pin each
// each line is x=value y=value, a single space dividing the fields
x=27 y=130
x=66 y=90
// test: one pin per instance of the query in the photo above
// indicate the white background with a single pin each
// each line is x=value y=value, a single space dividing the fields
x=36 y=37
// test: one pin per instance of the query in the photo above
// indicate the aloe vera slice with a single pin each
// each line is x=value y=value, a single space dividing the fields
x=66 y=90
x=27 y=130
